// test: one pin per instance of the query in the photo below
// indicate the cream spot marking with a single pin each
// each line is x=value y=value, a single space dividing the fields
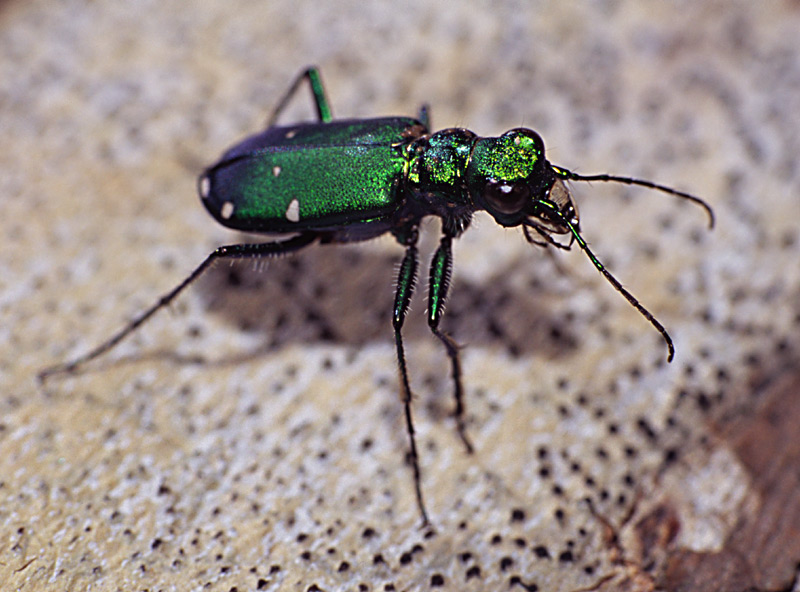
x=290 y=134
x=293 y=211
x=276 y=170
x=205 y=186
x=227 y=210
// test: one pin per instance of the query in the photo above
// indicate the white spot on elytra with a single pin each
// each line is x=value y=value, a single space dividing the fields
x=290 y=134
x=205 y=186
x=227 y=210
x=293 y=211
x=276 y=170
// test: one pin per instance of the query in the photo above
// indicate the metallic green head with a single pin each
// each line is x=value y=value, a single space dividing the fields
x=510 y=178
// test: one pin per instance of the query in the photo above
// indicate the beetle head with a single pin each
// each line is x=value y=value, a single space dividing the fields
x=510 y=178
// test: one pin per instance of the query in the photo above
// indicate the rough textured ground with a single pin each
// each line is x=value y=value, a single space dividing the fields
x=254 y=439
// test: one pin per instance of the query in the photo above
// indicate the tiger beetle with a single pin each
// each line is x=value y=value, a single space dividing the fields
x=339 y=181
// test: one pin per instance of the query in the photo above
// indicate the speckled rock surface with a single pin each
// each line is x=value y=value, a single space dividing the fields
x=254 y=439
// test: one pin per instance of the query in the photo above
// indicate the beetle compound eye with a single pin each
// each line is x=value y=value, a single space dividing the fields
x=527 y=136
x=506 y=198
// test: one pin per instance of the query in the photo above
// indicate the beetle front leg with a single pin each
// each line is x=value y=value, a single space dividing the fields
x=441 y=267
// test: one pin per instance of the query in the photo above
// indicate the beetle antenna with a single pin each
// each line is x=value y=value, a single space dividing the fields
x=611 y=279
x=569 y=175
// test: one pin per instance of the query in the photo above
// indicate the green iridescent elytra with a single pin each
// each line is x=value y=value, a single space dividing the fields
x=272 y=182
x=346 y=180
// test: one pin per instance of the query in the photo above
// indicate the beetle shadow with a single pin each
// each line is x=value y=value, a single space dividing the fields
x=345 y=295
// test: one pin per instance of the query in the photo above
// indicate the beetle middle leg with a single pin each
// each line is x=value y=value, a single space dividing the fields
x=424 y=115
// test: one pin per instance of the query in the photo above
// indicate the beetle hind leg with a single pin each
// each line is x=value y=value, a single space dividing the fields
x=248 y=251
x=321 y=103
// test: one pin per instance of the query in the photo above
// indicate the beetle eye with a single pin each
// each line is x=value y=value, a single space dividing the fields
x=506 y=198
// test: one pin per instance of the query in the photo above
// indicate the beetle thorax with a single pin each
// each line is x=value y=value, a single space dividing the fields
x=437 y=162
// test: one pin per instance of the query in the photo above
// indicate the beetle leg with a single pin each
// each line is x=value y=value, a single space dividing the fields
x=424 y=115
x=441 y=267
x=405 y=288
x=229 y=252
x=324 y=113
x=544 y=234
